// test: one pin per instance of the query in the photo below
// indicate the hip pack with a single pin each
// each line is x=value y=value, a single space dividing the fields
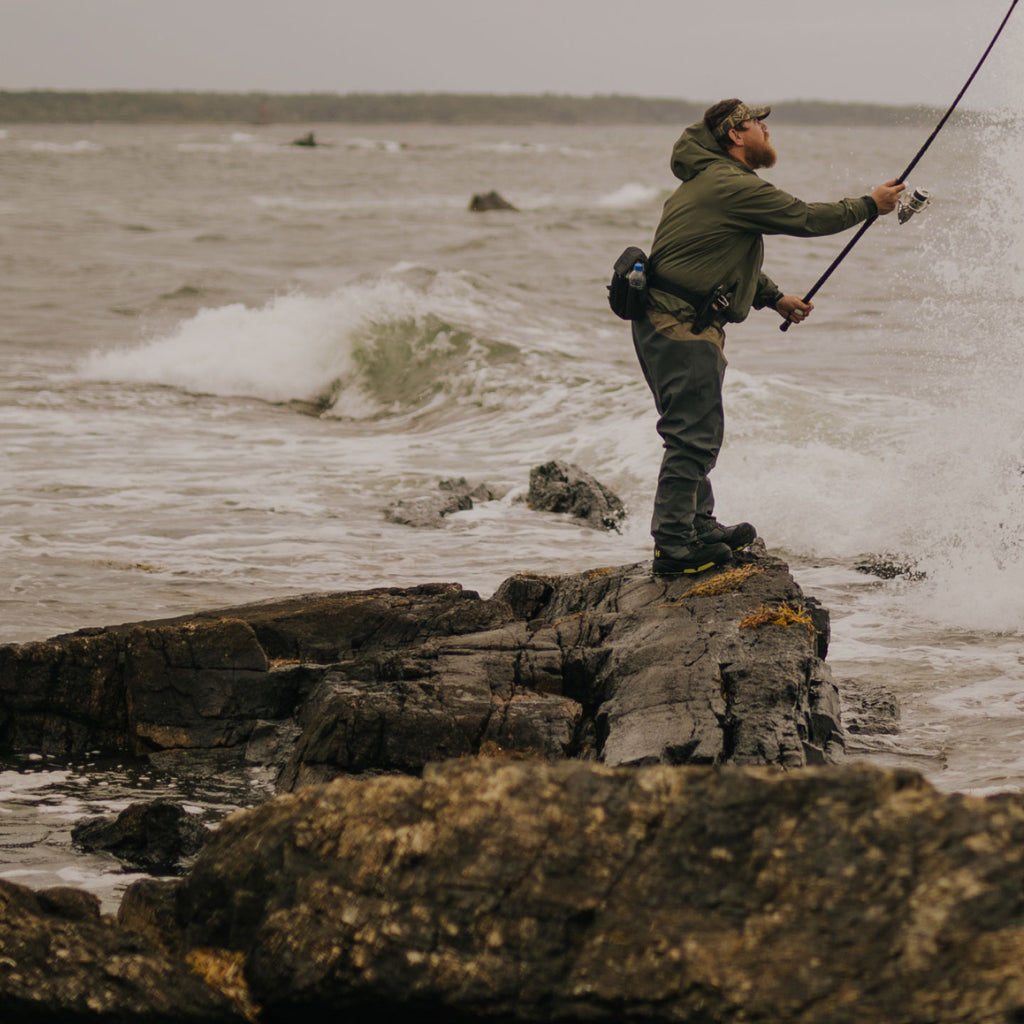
x=627 y=293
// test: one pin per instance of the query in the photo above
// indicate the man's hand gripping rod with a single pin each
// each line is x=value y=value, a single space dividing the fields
x=784 y=326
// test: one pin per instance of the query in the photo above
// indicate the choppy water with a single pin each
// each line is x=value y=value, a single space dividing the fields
x=224 y=356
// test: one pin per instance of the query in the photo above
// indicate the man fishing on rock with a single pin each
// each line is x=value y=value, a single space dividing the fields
x=705 y=271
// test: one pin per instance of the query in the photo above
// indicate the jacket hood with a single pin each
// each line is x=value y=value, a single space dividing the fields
x=694 y=150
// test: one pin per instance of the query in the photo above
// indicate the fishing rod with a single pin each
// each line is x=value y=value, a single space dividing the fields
x=920 y=197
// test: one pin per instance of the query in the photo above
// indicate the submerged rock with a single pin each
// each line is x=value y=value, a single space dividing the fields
x=560 y=486
x=484 y=201
x=429 y=510
x=158 y=836
x=889 y=567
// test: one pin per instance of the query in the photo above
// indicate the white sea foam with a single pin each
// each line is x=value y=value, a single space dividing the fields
x=380 y=145
x=629 y=196
x=526 y=149
x=43 y=146
x=288 y=349
x=15 y=785
x=300 y=347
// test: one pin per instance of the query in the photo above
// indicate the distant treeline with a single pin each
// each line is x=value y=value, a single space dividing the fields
x=48 y=106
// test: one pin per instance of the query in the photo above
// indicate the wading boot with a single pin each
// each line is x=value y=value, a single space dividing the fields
x=711 y=531
x=695 y=557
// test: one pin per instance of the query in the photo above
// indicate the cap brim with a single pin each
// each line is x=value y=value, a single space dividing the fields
x=760 y=113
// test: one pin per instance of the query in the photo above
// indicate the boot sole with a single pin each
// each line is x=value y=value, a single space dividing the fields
x=739 y=547
x=686 y=572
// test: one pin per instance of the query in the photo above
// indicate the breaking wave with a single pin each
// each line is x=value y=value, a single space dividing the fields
x=386 y=347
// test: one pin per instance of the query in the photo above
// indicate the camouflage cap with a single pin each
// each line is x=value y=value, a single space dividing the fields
x=740 y=113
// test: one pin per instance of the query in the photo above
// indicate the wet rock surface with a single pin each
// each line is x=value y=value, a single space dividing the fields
x=464 y=855
x=558 y=486
x=61 y=962
x=481 y=202
x=430 y=510
x=612 y=665
x=158 y=836
x=533 y=891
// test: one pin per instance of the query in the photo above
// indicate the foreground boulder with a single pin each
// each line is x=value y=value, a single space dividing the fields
x=525 y=891
x=60 y=962
x=614 y=665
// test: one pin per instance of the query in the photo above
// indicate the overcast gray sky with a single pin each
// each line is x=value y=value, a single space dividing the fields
x=896 y=51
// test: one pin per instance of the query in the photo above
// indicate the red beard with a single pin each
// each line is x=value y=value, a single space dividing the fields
x=760 y=154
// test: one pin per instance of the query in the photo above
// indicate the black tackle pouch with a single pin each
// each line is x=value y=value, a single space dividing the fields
x=628 y=301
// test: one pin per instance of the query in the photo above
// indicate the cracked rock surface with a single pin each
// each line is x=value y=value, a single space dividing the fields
x=492 y=890
x=613 y=665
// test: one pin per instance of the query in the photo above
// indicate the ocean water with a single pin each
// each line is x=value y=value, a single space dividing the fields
x=225 y=356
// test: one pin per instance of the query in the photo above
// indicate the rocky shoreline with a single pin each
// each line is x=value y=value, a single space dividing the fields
x=613 y=665
x=587 y=797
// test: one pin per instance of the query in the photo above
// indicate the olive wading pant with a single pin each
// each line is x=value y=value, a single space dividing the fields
x=685 y=378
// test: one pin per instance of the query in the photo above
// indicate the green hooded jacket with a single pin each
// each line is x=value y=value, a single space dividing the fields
x=711 y=228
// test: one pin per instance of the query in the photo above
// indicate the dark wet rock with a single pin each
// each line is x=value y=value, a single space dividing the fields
x=60 y=963
x=531 y=891
x=889 y=567
x=271 y=743
x=309 y=140
x=451 y=698
x=203 y=682
x=612 y=664
x=870 y=709
x=484 y=201
x=429 y=510
x=562 y=487
x=158 y=836
x=149 y=907
x=68 y=903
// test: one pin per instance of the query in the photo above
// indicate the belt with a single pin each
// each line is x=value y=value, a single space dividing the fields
x=657 y=282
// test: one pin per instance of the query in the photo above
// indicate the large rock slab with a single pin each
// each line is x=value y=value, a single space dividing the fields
x=531 y=891
x=613 y=664
x=205 y=681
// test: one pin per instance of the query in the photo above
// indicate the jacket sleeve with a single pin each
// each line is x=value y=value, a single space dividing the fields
x=767 y=293
x=762 y=207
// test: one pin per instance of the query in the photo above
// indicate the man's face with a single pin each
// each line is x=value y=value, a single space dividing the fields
x=757 y=149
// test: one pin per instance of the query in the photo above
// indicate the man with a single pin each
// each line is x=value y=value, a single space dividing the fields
x=705 y=271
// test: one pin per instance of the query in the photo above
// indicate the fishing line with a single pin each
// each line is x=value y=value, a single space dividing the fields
x=913 y=163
